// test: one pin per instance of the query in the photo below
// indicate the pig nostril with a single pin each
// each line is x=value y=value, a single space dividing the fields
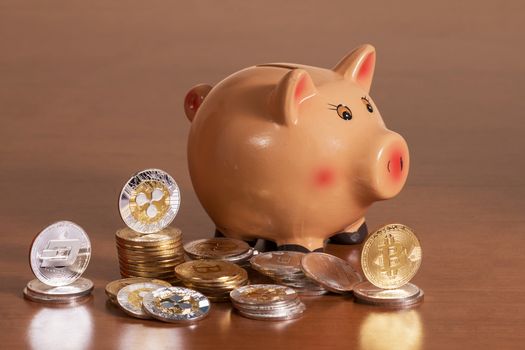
x=401 y=163
x=388 y=166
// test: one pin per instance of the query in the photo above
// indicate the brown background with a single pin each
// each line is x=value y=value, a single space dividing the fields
x=91 y=91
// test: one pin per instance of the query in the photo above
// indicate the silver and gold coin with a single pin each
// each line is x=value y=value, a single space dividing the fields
x=113 y=287
x=404 y=296
x=149 y=201
x=129 y=298
x=60 y=253
x=176 y=305
x=73 y=293
x=331 y=272
x=391 y=256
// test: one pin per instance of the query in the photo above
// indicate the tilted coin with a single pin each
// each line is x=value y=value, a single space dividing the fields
x=60 y=253
x=263 y=294
x=405 y=295
x=176 y=305
x=81 y=286
x=283 y=262
x=129 y=298
x=391 y=256
x=331 y=272
x=149 y=201
x=216 y=248
x=113 y=287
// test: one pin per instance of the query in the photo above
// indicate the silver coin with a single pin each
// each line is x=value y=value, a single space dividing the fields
x=176 y=305
x=80 y=287
x=129 y=298
x=366 y=291
x=149 y=201
x=60 y=253
x=55 y=300
x=330 y=272
x=281 y=263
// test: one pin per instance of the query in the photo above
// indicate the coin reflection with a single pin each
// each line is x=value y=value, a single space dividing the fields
x=48 y=326
x=140 y=336
x=400 y=330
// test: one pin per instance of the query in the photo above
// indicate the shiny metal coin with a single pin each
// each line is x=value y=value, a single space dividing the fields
x=331 y=272
x=113 y=287
x=168 y=235
x=80 y=287
x=129 y=298
x=263 y=294
x=282 y=262
x=60 y=253
x=176 y=305
x=407 y=294
x=216 y=248
x=149 y=201
x=55 y=300
x=391 y=256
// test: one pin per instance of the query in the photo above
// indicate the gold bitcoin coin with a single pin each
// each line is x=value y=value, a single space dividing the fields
x=391 y=256
x=208 y=270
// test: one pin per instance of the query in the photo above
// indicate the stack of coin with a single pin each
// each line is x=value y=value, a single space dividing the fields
x=213 y=278
x=269 y=302
x=220 y=248
x=284 y=267
x=331 y=272
x=152 y=255
x=59 y=256
x=391 y=256
x=113 y=287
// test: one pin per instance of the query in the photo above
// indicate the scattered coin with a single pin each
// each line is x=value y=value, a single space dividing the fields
x=77 y=291
x=152 y=255
x=60 y=253
x=269 y=302
x=331 y=272
x=284 y=267
x=219 y=248
x=391 y=256
x=113 y=287
x=404 y=296
x=176 y=305
x=214 y=278
x=149 y=201
x=129 y=298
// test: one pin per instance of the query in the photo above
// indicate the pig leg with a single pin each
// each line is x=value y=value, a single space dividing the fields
x=297 y=248
x=252 y=242
x=353 y=234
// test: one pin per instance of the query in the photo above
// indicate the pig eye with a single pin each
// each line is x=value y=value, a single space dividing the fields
x=367 y=104
x=344 y=112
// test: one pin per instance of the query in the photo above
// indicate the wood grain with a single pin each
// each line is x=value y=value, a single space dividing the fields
x=91 y=91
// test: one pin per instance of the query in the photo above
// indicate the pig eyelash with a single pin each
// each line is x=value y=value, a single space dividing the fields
x=366 y=99
x=335 y=107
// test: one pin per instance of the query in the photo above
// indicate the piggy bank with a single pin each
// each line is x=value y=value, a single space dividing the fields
x=293 y=154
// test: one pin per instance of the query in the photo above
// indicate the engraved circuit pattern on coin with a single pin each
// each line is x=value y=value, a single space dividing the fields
x=129 y=298
x=176 y=305
x=60 y=253
x=391 y=256
x=149 y=201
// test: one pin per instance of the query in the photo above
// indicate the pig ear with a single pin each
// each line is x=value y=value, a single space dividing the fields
x=194 y=99
x=359 y=66
x=292 y=90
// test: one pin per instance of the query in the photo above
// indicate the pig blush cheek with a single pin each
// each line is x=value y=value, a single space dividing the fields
x=324 y=177
x=396 y=164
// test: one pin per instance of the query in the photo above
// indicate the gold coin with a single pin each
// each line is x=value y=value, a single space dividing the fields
x=216 y=248
x=113 y=287
x=391 y=256
x=169 y=234
x=159 y=275
x=208 y=270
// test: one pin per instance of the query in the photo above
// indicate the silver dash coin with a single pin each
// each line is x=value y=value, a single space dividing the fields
x=176 y=305
x=129 y=298
x=80 y=287
x=149 y=201
x=60 y=253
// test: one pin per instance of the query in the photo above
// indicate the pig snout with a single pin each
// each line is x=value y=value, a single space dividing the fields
x=389 y=167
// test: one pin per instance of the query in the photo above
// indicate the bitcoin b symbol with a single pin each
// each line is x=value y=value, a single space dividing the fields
x=393 y=256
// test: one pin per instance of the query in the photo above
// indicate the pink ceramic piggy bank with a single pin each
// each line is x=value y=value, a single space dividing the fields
x=291 y=153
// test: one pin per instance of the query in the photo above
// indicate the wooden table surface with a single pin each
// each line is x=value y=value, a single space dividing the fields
x=91 y=91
